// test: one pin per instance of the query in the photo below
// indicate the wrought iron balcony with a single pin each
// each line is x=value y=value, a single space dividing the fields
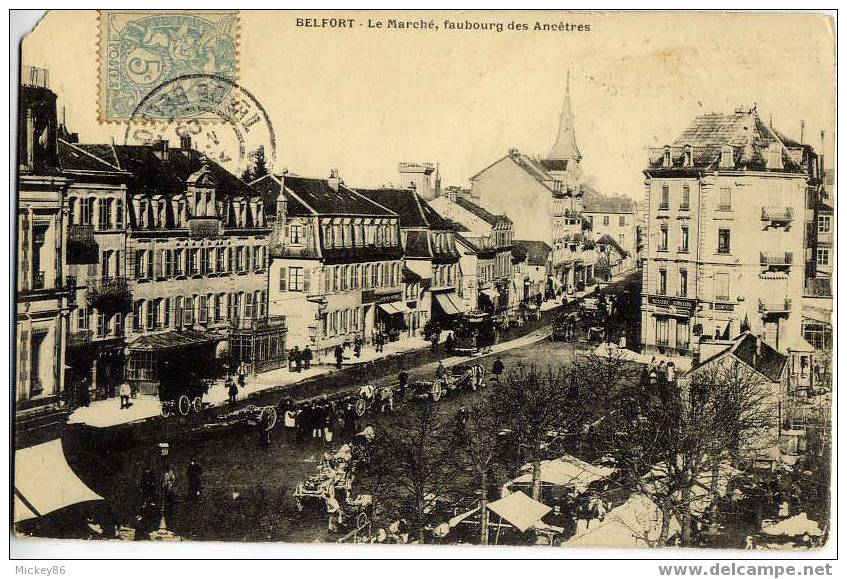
x=775 y=306
x=109 y=294
x=80 y=339
x=782 y=258
x=37 y=280
x=778 y=214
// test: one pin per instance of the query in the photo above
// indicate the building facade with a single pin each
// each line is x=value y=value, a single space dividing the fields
x=169 y=252
x=723 y=212
x=484 y=242
x=614 y=216
x=43 y=294
x=338 y=271
x=544 y=199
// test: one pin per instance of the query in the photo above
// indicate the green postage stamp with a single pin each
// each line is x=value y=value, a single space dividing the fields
x=140 y=51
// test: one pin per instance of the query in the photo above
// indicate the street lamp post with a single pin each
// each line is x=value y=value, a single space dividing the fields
x=163 y=450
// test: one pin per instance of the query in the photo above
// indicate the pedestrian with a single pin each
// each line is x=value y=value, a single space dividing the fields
x=351 y=418
x=317 y=424
x=403 y=382
x=329 y=422
x=242 y=374
x=339 y=356
x=497 y=369
x=289 y=419
x=125 y=392
x=298 y=359
x=461 y=420
x=302 y=419
x=357 y=346
x=448 y=343
x=194 y=474
x=232 y=389
x=169 y=483
x=440 y=371
x=148 y=487
x=307 y=357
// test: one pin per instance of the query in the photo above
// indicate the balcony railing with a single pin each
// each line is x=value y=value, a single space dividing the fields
x=204 y=227
x=109 y=294
x=775 y=306
x=34 y=76
x=258 y=322
x=80 y=339
x=83 y=234
x=778 y=214
x=776 y=258
x=37 y=280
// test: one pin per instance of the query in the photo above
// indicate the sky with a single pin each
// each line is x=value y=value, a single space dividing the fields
x=362 y=100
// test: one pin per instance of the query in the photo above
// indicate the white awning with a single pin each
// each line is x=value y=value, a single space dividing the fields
x=519 y=510
x=565 y=471
x=492 y=293
x=450 y=303
x=45 y=483
x=394 y=308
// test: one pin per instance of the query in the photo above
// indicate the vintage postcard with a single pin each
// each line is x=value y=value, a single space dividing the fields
x=498 y=278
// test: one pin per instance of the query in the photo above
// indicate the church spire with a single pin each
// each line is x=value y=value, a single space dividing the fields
x=565 y=147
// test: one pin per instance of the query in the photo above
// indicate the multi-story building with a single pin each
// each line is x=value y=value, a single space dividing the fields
x=339 y=271
x=723 y=207
x=531 y=264
x=43 y=296
x=485 y=244
x=544 y=199
x=170 y=258
x=96 y=262
x=417 y=243
x=614 y=216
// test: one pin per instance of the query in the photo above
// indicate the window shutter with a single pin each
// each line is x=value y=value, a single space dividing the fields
x=24 y=357
x=283 y=282
x=160 y=264
x=307 y=279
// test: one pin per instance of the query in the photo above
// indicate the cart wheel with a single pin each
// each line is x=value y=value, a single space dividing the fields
x=184 y=405
x=361 y=520
x=269 y=416
x=299 y=504
x=361 y=407
x=197 y=404
x=436 y=392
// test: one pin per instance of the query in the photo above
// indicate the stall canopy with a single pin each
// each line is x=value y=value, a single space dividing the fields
x=450 y=303
x=635 y=523
x=519 y=510
x=394 y=308
x=613 y=351
x=565 y=471
x=45 y=483
x=794 y=526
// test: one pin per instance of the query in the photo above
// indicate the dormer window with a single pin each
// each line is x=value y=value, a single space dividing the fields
x=774 y=156
x=687 y=156
x=666 y=161
x=727 y=160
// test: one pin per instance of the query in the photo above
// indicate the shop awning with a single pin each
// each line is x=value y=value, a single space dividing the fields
x=450 y=303
x=394 y=308
x=519 y=510
x=492 y=293
x=174 y=339
x=45 y=483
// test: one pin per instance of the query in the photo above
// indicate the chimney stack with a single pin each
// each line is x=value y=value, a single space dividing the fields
x=160 y=149
x=185 y=142
x=334 y=180
x=802 y=132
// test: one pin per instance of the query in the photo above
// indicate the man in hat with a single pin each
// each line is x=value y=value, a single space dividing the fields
x=307 y=357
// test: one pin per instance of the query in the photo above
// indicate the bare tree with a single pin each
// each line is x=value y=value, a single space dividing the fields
x=477 y=445
x=533 y=404
x=415 y=457
x=677 y=439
